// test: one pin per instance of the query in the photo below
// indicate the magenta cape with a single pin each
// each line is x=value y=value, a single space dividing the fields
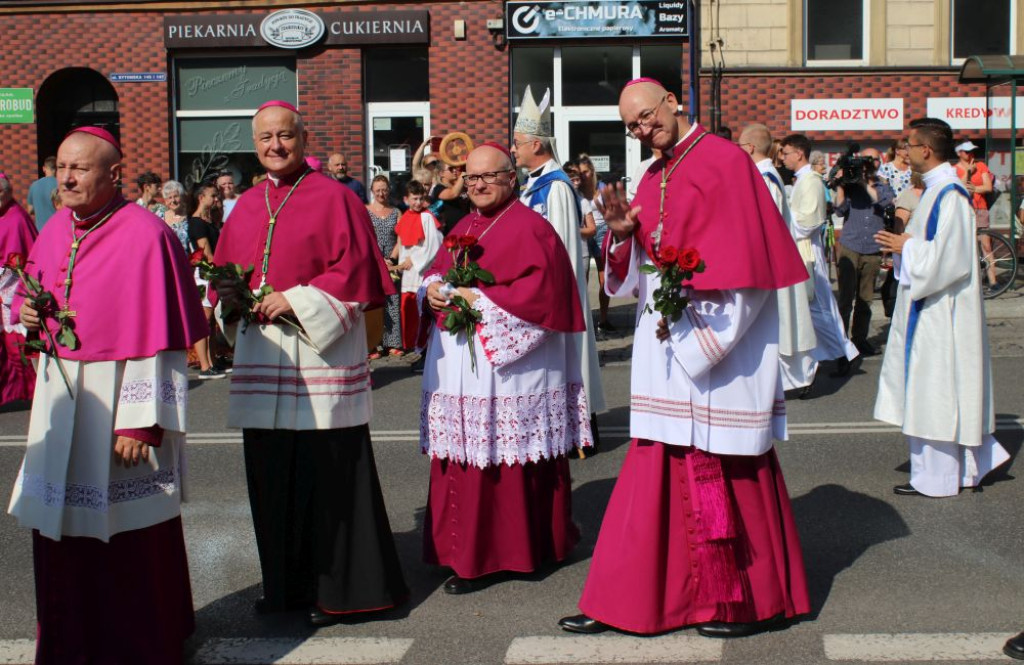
x=134 y=292
x=324 y=238
x=718 y=204
x=533 y=277
x=17 y=231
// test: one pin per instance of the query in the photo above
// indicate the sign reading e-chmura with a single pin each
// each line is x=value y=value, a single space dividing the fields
x=297 y=29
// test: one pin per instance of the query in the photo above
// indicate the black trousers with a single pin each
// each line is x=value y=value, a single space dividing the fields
x=321 y=526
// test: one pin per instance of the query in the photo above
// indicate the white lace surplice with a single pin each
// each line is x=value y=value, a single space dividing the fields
x=69 y=484
x=525 y=401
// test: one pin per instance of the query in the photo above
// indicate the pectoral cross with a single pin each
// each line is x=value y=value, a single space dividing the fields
x=66 y=313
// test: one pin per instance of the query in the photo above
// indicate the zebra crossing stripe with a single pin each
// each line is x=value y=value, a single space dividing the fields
x=302 y=651
x=610 y=649
x=916 y=647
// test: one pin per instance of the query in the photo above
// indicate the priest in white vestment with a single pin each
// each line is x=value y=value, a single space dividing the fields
x=807 y=205
x=498 y=429
x=936 y=381
x=797 y=340
x=549 y=192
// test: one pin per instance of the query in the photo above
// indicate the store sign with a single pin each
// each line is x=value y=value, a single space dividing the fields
x=296 y=29
x=822 y=115
x=545 y=19
x=234 y=84
x=16 y=106
x=292 y=28
x=972 y=112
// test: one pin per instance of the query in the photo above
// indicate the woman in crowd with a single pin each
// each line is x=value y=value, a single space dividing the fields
x=977 y=178
x=588 y=226
x=589 y=191
x=176 y=215
x=896 y=170
x=203 y=232
x=384 y=217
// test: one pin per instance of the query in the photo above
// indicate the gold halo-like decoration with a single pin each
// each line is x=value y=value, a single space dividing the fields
x=455 y=148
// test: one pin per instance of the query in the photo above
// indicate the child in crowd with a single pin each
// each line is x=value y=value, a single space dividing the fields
x=419 y=239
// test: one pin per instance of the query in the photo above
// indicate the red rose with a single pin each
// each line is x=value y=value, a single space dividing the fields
x=467 y=241
x=196 y=257
x=689 y=259
x=451 y=242
x=668 y=254
x=16 y=260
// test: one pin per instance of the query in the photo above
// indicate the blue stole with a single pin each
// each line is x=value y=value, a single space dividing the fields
x=538 y=193
x=917 y=305
x=778 y=183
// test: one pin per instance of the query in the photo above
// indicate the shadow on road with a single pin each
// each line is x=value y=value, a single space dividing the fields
x=836 y=527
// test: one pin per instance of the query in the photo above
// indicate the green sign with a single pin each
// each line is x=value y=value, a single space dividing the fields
x=234 y=84
x=16 y=105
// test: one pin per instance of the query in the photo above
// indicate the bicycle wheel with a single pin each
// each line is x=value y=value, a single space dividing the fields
x=998 y=265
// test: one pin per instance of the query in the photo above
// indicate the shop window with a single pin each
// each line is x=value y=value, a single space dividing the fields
x=835 y=32
x=396 y=74
x=982 y=28
x=663 y=62
x=534 y=67
x=215 y=99
x=594 y=76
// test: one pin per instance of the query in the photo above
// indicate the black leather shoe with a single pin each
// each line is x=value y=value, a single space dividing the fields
x=842 y=367
x=581 y=623
x=905 y=490
x=805 y=392
x=1014 y=647
x=724 y=629
x=320 y=619
x=456 y=585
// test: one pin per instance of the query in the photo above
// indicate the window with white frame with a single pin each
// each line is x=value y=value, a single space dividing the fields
x=982 y=27
x=835 y=32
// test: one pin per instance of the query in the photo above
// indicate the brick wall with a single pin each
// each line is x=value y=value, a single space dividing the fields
x=765 y=97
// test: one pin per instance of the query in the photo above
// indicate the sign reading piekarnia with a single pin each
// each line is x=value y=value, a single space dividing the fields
x=290 y=30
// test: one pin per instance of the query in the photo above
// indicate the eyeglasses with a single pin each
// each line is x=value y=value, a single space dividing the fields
x=488 y=178
x=430 y=165
x=516 y=144
x=644 y=120
x=915 y=145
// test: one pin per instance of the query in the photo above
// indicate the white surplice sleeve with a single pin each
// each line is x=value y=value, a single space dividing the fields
x=154 y=391
x=504 y=336
x=324 y=318
x=713 y=323
x=806 y=208
x=621 y=268
x=933 y=266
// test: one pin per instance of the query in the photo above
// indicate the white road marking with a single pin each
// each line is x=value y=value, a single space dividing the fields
x=602 y=649
x=299 y=651
x=17 y=652
x=916 y=647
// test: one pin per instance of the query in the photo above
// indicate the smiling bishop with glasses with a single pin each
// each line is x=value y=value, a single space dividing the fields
x=498 y=431
x=699 y=528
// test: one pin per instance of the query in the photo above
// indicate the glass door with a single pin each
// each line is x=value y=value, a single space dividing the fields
x=599 y=133
x=396 y=130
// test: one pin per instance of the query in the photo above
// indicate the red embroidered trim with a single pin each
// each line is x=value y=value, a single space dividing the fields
x=339 y=368
x=346 y=321
x=705 y=337
x=299 y=381
x=286 y=393
x=706 y=415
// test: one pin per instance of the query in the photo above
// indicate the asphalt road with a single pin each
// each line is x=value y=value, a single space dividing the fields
x=892 y=579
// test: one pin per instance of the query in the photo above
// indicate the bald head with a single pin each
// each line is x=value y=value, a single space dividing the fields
x=649 y=112
x=756 y=137
x=88 y=172
x=489 y=163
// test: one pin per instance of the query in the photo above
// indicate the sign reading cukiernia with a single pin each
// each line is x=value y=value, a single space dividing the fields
x=545 y=19
x=822 y=115
x=16 y=105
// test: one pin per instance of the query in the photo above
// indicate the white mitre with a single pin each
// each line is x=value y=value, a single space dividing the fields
x=535 y=119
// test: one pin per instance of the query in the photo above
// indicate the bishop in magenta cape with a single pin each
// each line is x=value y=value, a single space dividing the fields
x=498 y=437
x=17 y=235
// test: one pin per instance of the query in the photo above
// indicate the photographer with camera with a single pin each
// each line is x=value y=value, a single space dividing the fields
x=865 y=202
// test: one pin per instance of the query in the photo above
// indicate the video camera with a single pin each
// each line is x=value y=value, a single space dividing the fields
x=852 y=167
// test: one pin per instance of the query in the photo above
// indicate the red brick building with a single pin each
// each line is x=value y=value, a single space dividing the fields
x=178 y=80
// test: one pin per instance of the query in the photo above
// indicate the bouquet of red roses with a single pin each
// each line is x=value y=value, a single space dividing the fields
x=460 y=316
x=241 y=306
x=44 y=303
x=676 y=266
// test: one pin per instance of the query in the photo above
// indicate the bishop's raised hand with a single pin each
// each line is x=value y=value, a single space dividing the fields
x=618 y=215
